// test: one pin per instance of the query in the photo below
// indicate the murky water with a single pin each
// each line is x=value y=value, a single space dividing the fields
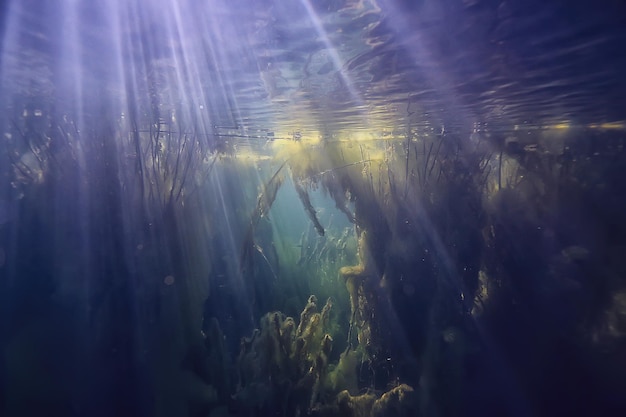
x=325 y=208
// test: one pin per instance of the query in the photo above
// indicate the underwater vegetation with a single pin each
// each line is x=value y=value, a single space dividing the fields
x=285 y=369
x=457 y=237
x=322 y=208
x=463 y=273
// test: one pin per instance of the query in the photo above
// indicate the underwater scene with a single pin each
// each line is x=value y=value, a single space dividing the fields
x=325 y=208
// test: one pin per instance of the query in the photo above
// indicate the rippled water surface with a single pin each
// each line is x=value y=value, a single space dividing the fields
x=331 y=65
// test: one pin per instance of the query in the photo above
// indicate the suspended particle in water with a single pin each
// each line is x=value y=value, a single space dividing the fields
x=449 y=335
x=169 y=280
x=408 y=289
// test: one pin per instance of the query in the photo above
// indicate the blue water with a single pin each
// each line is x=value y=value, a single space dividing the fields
x=326 y=208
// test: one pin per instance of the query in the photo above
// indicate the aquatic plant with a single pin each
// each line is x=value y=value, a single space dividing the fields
x=286 y=370
x=170 y=159
x=282 y=367
x=308 y=207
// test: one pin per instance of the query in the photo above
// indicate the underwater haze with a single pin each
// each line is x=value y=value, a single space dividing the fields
x=325 y=208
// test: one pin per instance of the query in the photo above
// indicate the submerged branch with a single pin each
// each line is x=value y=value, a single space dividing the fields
x=263 y=206
x=268 y=195
x=308 y=207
